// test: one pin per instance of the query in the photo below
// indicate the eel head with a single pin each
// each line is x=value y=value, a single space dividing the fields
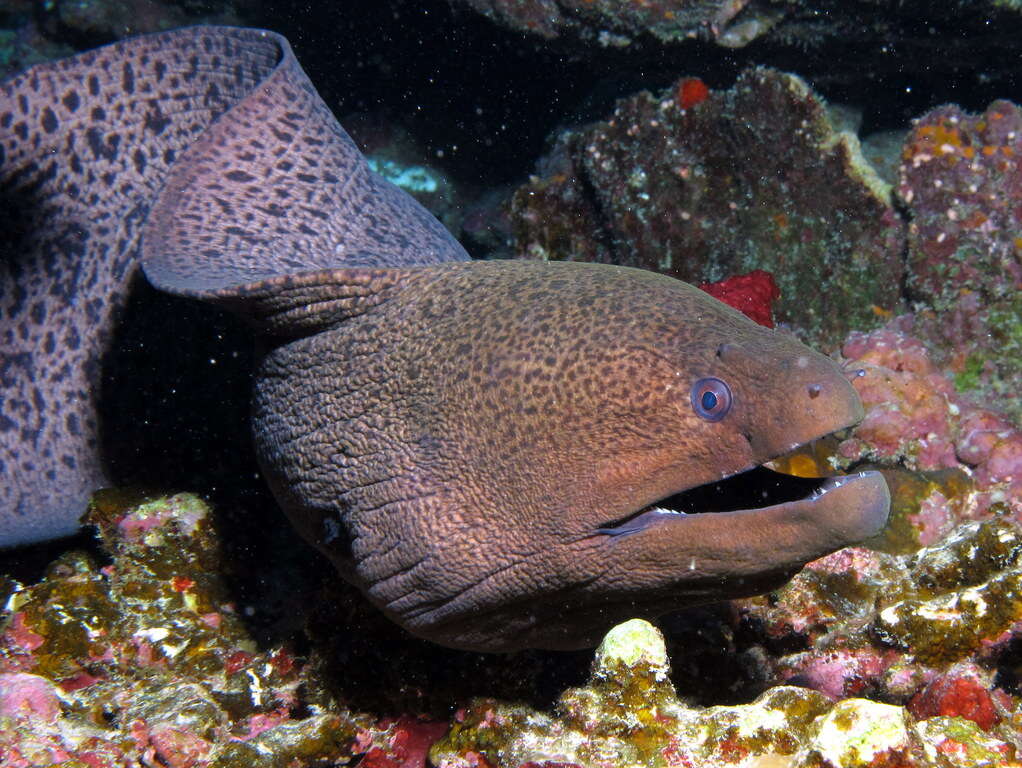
x=518 y=454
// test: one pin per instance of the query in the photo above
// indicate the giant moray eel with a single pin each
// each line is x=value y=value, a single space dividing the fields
x=498 y=454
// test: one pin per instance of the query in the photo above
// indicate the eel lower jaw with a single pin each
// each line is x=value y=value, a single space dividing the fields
x=753 y=492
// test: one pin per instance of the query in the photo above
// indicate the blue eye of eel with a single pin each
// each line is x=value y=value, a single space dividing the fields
x=711 y=399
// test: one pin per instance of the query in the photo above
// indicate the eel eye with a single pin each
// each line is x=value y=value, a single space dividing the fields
x=711 y=399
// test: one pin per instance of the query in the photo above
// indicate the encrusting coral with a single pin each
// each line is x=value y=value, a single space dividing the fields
x=628 y=714
x=755 y=177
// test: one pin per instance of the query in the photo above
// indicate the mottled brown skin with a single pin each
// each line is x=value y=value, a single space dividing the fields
x=474 y=444
x=493 y=417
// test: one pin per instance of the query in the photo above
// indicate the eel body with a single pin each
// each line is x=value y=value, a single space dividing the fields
x=498 y=454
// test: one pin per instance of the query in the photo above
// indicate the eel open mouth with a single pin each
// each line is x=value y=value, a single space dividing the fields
x=754 y=489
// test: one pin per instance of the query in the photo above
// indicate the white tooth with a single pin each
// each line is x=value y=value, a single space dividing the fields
x=662 y=511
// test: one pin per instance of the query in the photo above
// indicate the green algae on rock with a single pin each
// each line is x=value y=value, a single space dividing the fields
x=974 y=605
x=754 y=177
x=146 y=657
x=622 y=717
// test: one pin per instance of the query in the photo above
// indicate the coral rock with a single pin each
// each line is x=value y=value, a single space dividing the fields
x=961 y=181
x=146 y=656
x=28 y=697
x=755 y=177
x=859 y=732
x=951 y=742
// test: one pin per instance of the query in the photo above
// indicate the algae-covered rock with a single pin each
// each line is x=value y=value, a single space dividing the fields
x=143 y=661
x=620 y=722
x=951 y=742
x=114 y=666
x=859 y=732
x=633 y=645
x=754 y=177
x=961 y=182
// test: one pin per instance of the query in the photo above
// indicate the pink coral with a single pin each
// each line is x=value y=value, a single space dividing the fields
x=28 y=697
x=908 y=402
x=935 y=518
x=838 y=673
x=915 y=415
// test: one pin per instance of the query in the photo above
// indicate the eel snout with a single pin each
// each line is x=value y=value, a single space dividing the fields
x=756 y=527
x=857 y=512
x=752 y=528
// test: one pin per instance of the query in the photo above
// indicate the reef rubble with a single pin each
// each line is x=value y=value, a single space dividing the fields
x=629 y=714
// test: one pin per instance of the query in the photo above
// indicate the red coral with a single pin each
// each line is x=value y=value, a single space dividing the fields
x=408 y=746
x=752 y=295
x=691 y=91
x=956 y=694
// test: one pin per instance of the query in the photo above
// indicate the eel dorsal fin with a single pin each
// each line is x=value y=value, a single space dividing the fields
x=277 y=188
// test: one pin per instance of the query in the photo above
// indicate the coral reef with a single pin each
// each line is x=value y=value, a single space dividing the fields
x=928 y=617
x=961 y=181
x=916 y=417
x=628 y=714
x=615 y=24
x=751 y=178
x=144 y=661
x=31 y=32
x=103 y=21
x=835 y=38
